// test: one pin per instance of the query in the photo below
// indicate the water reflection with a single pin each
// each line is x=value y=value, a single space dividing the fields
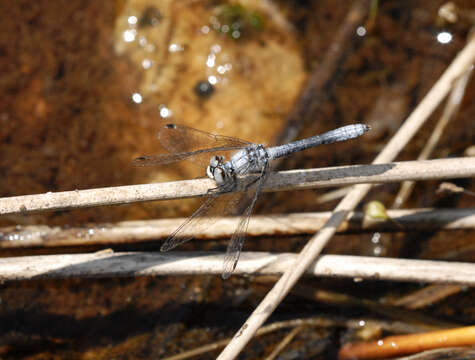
x=129 y=35
x=444 y=37
x=132 y=20
x=136 y=98
x=361 y=31
x=146 y=63
x=164 y=111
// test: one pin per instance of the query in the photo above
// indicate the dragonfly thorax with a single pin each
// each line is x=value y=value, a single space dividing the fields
x=249 y=160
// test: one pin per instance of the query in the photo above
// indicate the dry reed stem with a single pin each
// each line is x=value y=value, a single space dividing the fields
x=314 y=247
x=259 y=225
x=279 y=181
x=408 y=344
x=109 y=264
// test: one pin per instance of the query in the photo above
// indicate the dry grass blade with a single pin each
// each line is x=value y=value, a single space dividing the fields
x=109 y=264
x=430 y=102
x=259 y=225
x=279 y=181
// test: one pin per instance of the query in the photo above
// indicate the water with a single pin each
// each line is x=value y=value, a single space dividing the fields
x=184 y=142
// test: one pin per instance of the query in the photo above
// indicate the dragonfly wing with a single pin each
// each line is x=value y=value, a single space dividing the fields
x=183 y=139
x=178 y=237
x=183 y=142
x=237 y=240
x=215 y=205
x=161 y=159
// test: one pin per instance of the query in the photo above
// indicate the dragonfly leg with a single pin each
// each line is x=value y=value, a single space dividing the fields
x=226 y=187
x=251 y=183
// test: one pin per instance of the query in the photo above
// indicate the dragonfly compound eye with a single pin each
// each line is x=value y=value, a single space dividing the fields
x=219 y=176
x=214 y=161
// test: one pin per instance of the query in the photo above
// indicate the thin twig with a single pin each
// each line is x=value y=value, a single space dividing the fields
x=259 y=225
x=109 y=264
x=314 y=247
x=285 y=341
x=279 y=181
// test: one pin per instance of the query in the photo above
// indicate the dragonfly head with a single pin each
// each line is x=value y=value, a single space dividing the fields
x=218 y=171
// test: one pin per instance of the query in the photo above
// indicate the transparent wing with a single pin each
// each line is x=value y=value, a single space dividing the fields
x=179 y=236
x=237 y=240
x=217 y=204
x=183 y=139
x=183 y=142
x=163 y=159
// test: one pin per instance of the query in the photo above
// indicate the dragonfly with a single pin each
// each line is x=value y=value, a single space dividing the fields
x=211 y=150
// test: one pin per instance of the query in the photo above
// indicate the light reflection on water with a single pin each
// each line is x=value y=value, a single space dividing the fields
x=444 y=37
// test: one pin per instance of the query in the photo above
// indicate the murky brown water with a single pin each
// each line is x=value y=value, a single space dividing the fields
x=85 y=85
